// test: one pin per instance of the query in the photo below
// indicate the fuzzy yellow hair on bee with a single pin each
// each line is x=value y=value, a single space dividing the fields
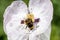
x=30 y=16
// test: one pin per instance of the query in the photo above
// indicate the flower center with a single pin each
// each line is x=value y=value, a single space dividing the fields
x=29 y=21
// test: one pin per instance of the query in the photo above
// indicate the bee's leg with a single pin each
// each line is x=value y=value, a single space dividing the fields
x=26 y=27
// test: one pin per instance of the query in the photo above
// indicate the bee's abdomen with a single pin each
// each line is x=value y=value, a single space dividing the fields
x=29 y=23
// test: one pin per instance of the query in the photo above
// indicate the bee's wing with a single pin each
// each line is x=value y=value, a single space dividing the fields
x=43 y=10
x=13 y=15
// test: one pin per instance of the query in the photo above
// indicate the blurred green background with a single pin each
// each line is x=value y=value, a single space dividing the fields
x=55 y=34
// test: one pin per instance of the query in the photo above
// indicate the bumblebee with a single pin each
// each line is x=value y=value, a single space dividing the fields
x=29 y=21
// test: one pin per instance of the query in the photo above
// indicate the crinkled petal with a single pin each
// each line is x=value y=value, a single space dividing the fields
x=13 y=15
x=42 y=9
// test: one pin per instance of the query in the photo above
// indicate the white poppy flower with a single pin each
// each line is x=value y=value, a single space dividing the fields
x=17 y=11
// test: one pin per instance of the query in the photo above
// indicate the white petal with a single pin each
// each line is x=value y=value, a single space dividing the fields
x=43 y=10
x=13 y=15
x=38 y=3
